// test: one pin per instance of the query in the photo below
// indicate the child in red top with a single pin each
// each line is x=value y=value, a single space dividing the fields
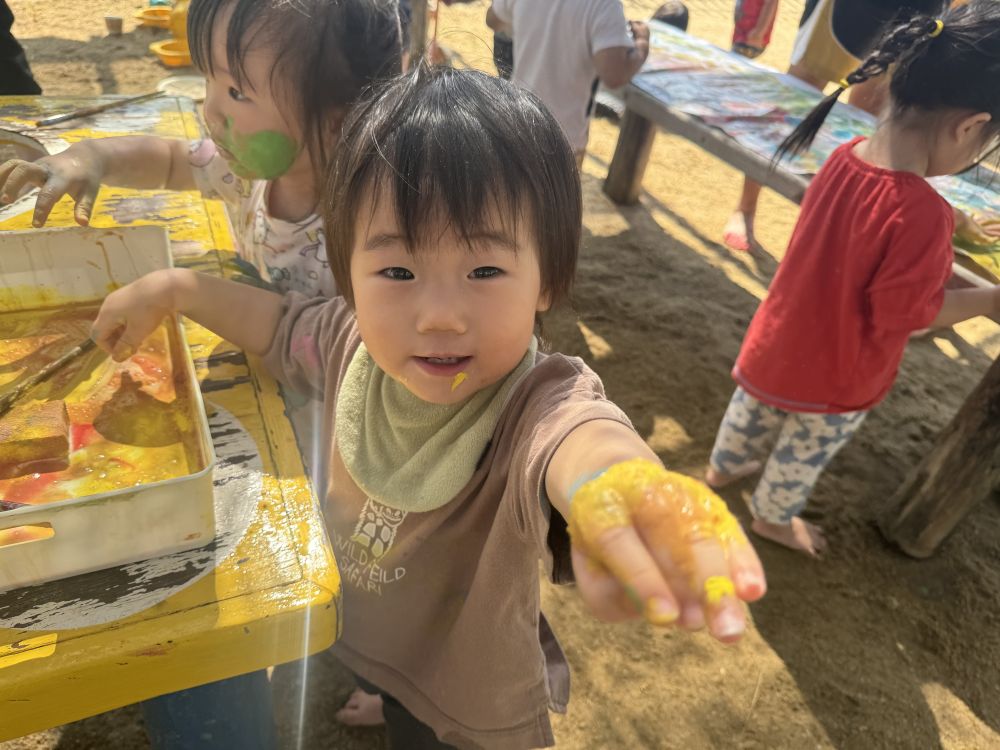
x=866 y=266
x=752 y=27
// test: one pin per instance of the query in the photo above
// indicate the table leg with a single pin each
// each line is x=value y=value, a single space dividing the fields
x=635 y=142
x=961 y=470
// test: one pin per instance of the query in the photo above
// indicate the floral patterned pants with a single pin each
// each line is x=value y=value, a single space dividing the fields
x=794 y=448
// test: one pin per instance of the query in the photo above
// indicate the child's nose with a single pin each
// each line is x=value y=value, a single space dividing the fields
x=441 y=309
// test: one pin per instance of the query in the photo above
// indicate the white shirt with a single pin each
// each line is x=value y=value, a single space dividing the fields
x=291 y=255
x=554 y=46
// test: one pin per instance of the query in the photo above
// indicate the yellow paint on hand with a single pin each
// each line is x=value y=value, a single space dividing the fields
x=459 y=379
x=673 y=511
x=717 y=588
x=39 y=647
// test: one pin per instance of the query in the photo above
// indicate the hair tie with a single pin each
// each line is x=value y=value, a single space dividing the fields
x=844 y=83
x=938 y=28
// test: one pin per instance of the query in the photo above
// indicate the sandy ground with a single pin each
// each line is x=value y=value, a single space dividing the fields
x=863 y=649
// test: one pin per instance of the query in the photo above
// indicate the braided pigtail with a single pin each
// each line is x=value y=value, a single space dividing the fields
x=903 y=39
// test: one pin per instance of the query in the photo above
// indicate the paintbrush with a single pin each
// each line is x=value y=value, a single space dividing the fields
x=8 y=399
x=86 y=111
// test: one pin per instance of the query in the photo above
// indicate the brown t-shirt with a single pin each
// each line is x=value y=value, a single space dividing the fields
x=441 y=609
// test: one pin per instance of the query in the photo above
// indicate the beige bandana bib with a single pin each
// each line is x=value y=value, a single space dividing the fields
x=405 y=452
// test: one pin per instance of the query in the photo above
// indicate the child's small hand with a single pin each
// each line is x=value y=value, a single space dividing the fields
x=649 y=542
x=640 y=31
x=76 y=172
x=984 y=231
x=130 y=314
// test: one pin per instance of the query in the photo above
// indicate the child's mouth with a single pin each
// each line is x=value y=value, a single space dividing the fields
x=446 y=366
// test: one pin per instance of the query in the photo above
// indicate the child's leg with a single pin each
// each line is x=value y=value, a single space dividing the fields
x=806 y=444
x=738 y=233
x=362 y=709
x=405 y=731
x=219 y=716
x=748 y=430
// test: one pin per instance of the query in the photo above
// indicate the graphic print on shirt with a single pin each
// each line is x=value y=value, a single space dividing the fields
x=360 y=556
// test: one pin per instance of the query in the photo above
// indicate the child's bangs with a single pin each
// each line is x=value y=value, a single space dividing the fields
x=457 y=151
x=242 y=29
x=433 y=192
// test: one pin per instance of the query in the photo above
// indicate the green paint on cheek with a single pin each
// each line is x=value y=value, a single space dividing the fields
x=263 y=155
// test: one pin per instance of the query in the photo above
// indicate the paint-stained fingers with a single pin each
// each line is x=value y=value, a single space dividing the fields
x=121 y=334
x=745 y=568
x=17 y=174
x=85 y=197
x=601 y=592
x=55 y=187
x=7 y=172
x=5 y=169
x=621 y=550
x=689 y=600
x=724 y=612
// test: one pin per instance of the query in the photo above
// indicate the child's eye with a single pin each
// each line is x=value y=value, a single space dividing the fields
x=396 y=273
x=486 y=272
x=236 y=95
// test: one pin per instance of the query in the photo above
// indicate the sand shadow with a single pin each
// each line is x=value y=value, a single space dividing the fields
x=99 y=51
x=121 y=728
x=901 y=643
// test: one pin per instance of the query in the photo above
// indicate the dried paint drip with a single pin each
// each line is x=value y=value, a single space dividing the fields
x=458 y=380
x=673 y=510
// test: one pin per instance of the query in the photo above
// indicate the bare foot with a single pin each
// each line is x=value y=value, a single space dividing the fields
x=738 y=235
x=798 y=535
x=717 y=480
x=361 y=710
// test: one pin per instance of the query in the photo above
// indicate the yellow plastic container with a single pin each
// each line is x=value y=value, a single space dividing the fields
x=173 y=53
x=179 y=19
x=158 y=18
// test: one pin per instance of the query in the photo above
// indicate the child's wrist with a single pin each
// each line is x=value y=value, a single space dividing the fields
x=178 y=288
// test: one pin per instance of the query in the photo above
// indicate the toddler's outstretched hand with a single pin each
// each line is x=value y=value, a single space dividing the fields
x=653 y=543
x=76 y=172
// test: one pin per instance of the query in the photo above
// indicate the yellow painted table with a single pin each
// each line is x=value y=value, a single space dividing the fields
x=265 y=591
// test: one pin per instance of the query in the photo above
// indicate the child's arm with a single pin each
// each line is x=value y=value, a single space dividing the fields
x=962 y=304
x=80 y=170
x=648 y=542
x=616 y=65
x=245 y=315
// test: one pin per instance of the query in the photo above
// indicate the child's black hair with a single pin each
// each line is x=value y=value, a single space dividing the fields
x=674 y=13
x=951 y=62
x=462 y=147
x=326 y=52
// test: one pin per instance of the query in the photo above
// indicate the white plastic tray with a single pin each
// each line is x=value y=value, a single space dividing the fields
x=113 y=528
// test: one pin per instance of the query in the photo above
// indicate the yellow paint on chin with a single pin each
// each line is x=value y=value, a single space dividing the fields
x=458 y=380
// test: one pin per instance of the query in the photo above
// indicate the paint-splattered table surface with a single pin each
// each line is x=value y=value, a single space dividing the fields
x=265 y=591
x=740 y=111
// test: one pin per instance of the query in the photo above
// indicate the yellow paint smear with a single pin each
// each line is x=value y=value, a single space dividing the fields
x=717 y=588
x=459 y=379
x=39 y=647
x=674 y=511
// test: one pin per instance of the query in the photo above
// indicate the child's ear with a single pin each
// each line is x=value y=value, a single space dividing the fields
x=544 y=302
x=969 y=129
